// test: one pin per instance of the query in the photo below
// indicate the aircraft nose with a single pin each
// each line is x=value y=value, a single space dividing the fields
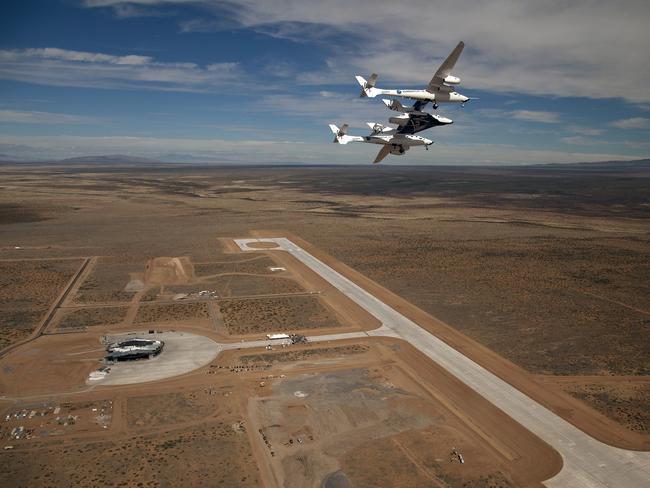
x=445 y=120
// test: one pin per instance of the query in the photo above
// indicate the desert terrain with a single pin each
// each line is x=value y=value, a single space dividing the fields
x=545 y=286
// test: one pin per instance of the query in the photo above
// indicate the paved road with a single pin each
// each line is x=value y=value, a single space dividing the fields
x=587 y=461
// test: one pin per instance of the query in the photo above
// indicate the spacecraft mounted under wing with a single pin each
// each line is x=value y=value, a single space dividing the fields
x=411 y=119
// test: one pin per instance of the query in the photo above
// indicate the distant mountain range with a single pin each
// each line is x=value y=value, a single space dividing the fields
x=99 y=159
x=598 y=165
x=110 y=159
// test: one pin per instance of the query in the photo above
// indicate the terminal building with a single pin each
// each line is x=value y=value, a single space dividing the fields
x=132 y=349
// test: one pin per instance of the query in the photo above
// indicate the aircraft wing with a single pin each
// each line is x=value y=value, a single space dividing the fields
x=383 y=152
x=445 y=69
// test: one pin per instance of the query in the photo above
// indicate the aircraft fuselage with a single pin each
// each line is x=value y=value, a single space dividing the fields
x=424 y=95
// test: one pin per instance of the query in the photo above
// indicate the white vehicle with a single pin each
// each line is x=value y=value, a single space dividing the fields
x=440 y=88
x=273 y=337
x=393 y=141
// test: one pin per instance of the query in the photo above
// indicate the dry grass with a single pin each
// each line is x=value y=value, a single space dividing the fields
x=256 y=264
x=27 y=289
x=548 y=304
x=170 y=408
x=171 y=312
x=274 y=314
x=213 y=454
x=90 y=317
x=626 y=403
x=244 y=285
x=301 y=354
x=107 y=280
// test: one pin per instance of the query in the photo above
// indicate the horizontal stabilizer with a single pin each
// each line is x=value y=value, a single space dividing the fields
x=394 y=105
x=399 y=107
x=378 y=128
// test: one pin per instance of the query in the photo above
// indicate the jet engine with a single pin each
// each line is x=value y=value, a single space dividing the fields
x=397 y=149
x=452 y=80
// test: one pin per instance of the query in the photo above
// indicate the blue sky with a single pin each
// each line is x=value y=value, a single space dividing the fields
x=249 y=81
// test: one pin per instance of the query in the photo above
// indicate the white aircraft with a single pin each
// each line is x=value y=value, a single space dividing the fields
x=394 y=142
x=440 y=88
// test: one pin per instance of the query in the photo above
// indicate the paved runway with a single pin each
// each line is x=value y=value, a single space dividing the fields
x=587 y=461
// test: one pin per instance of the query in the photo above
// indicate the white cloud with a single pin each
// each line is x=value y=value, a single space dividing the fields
x=110 y=3
x=61 y=67
x=536 y=116
x=135 y=8
x=581 y=141
x=632 y=123
x=580 y=48
x=32 y=117
x=325 y=107
x=113 y=3
x=585 y=131
x=84 y=56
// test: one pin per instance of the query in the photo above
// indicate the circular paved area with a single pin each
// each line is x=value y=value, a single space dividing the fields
x=183 y=352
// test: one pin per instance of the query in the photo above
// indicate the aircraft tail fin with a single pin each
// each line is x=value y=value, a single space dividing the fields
x=367 y=86
x=340 y=134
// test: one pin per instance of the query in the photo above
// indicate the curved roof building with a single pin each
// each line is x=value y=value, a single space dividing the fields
x=131 y=349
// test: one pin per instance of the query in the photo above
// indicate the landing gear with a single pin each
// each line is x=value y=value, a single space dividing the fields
x=435 y=106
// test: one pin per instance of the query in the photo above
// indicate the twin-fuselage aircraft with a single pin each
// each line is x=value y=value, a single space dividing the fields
x=398 y=140
x=439 y=90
